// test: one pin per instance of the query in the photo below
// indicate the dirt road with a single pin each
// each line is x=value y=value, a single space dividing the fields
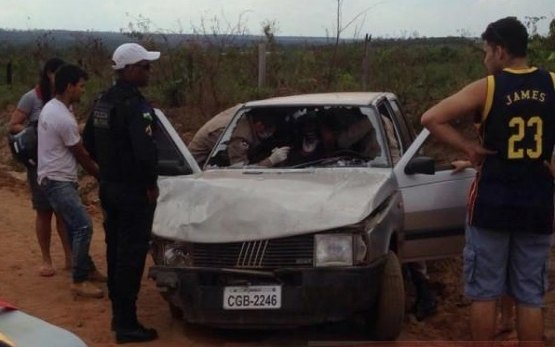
x=50 y=299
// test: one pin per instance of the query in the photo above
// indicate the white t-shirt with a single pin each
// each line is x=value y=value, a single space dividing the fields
x=57 y=130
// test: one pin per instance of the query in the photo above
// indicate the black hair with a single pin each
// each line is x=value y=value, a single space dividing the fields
x=508 y=33
x=45 y=87
x=265 y=117
x=66 y=75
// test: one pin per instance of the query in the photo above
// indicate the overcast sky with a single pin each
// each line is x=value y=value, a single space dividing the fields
x=383 y=18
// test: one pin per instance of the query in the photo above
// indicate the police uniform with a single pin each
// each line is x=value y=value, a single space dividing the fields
x=118 y=136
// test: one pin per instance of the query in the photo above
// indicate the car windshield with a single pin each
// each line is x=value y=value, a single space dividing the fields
x=303 y=136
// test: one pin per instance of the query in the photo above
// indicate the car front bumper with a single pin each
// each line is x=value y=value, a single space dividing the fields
x=308 y=295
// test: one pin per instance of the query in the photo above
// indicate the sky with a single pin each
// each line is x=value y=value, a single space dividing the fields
x=380 y=18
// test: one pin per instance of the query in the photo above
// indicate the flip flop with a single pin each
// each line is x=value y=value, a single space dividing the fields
x=46 y=271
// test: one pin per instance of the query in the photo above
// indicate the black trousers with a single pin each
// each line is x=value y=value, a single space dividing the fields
x=127 y=222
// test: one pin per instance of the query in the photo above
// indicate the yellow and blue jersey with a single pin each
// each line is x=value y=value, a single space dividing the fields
x=514 y=189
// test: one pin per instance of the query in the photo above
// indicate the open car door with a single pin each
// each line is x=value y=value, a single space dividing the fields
x=174 y=159
x=434 y=198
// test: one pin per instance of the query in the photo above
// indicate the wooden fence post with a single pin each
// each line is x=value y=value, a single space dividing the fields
x=365 y=78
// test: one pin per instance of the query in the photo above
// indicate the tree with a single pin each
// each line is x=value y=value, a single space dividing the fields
x=339 y=29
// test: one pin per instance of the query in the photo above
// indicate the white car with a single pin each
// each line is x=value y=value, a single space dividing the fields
x=19 y=329
x=317 y=237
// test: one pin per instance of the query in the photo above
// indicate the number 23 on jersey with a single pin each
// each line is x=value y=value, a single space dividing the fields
x=519 y=147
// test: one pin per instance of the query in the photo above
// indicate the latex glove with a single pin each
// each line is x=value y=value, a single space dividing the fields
x=278 y=155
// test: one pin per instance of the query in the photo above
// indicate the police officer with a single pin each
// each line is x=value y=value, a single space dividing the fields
x=118 y=135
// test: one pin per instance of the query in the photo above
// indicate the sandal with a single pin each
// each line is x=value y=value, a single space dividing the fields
x=46 y=271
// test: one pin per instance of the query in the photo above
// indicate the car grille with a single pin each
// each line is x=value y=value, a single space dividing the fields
x=296 y=251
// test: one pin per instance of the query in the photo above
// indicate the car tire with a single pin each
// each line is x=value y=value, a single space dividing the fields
x=387 y=317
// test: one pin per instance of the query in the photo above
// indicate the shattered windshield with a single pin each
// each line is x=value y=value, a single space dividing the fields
x=302 y=137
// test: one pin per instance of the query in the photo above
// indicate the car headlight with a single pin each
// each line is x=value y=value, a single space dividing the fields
x=333 y=250
x=177 y=255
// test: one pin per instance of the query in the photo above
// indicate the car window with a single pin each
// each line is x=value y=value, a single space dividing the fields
x=392 y=137
x=315 y=136
x=444 y=154
x=404 y=129
x=170 y=160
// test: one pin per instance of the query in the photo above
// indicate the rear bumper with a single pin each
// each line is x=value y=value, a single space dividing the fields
x=309 y=296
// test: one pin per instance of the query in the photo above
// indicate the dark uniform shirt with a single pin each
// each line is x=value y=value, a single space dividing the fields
x=514 y=189
x=118 y=136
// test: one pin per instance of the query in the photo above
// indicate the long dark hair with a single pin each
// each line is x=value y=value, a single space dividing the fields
x=44 y=84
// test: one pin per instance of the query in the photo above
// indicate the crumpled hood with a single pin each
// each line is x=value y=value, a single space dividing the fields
x=236 y=205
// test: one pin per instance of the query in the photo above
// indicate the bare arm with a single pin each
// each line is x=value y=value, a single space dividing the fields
x=469 y=100
x=83 y=158
x=460 y=165
x=17 y=121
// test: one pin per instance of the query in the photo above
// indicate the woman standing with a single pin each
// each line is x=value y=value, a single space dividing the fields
x=26 y=114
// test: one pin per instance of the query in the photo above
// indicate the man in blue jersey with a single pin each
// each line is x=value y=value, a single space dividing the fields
x=510 y=212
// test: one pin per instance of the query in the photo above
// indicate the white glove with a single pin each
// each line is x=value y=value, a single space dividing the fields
x=279 y=154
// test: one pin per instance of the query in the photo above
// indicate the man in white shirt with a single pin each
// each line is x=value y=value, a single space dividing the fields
x=59 y=150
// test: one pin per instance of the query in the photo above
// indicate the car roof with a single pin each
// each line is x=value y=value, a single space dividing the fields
x=328 y=99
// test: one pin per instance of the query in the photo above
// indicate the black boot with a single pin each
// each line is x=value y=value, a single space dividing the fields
x=426 y=303
x=425 y=308
x=138 y=334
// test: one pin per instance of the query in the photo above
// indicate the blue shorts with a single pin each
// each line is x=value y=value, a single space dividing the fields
x=38 y=197
x=499 y=262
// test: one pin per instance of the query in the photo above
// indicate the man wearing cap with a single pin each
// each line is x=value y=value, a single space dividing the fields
x=118 y=135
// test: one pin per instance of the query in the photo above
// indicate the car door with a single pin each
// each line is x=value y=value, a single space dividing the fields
x=434 y=200
x=174 y=159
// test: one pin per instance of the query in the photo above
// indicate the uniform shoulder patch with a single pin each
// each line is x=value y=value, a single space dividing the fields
x=147 y=116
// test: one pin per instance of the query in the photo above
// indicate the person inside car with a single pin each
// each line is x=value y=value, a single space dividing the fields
x=360 y=136
x=207 y=136
x=253 y=143
x=316 y=139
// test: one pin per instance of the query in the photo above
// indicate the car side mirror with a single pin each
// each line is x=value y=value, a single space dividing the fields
x=422 y=165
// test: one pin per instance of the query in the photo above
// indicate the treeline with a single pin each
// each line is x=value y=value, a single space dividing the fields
x=203 y=74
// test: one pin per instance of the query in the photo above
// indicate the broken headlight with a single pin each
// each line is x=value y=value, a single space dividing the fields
x=170 y=253
x=333 y=250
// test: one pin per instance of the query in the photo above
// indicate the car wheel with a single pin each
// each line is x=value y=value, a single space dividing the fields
x=175 y=311
x=387 y=317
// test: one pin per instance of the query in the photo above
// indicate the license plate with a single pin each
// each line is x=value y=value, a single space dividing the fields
x=252 y=298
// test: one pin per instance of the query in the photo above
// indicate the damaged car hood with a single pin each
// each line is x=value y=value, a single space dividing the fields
x=245 y=205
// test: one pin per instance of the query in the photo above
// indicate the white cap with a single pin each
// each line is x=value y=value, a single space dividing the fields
x=131 y=53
